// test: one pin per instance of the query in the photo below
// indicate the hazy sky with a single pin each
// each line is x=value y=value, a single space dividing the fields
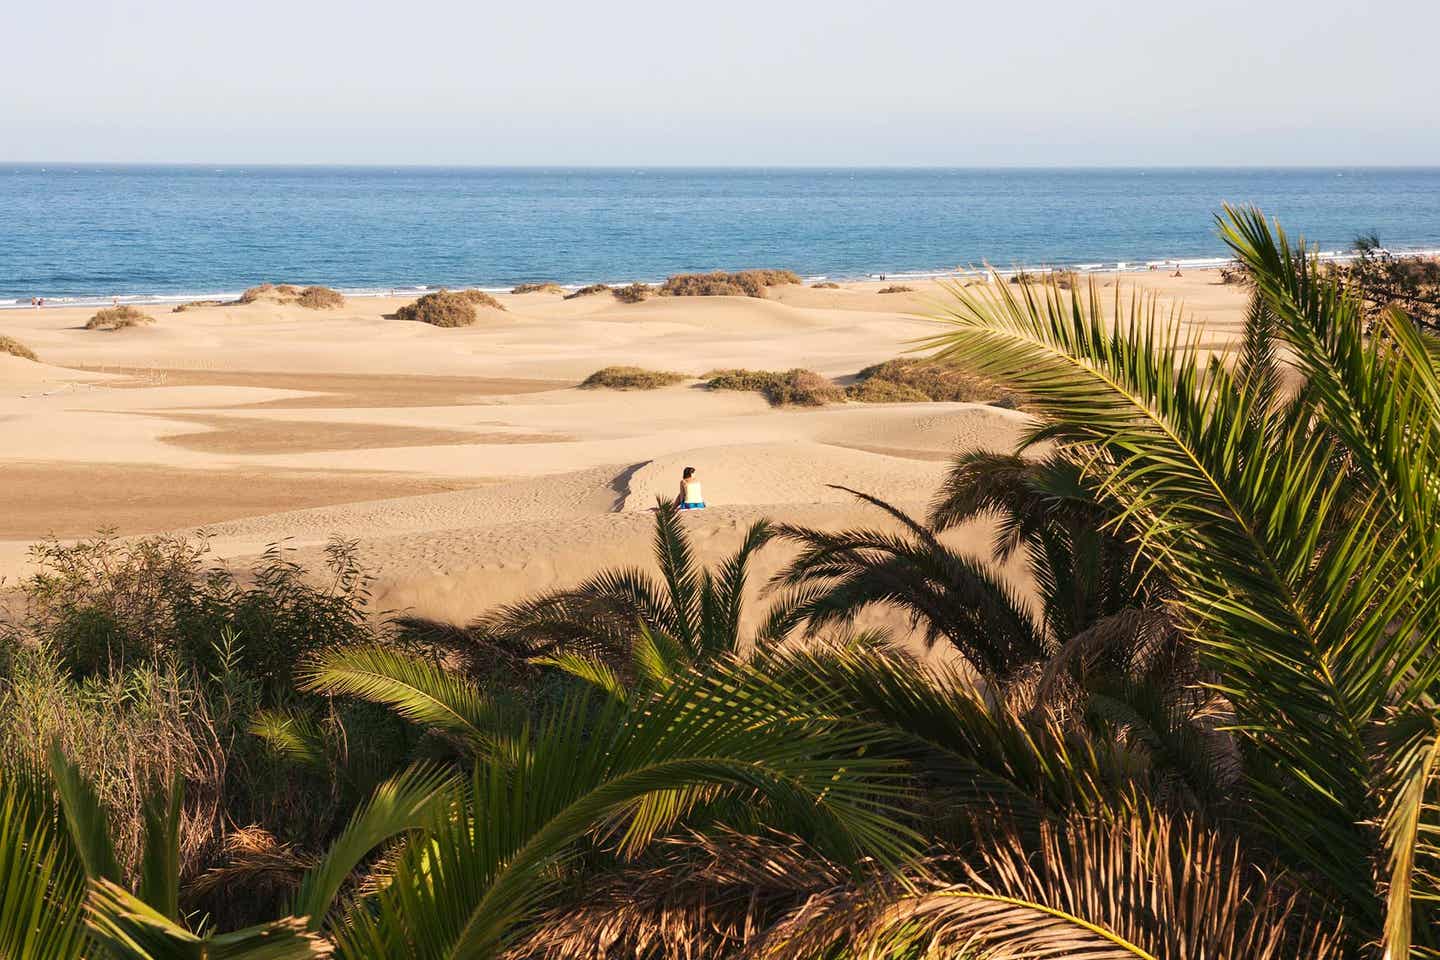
x=643 y=82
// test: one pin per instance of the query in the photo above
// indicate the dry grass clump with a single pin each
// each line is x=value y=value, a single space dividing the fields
x=797 y=387
x=896 y=288
x=545 y=287
x=16 y=349
x=320 y=298
x=440 y=309
x=268 y=291
x=912 y=380
x=313 y=297
x=192 y=304
x=632 y=378
x=825 y=285
x=746 y=283
x=114 y=318
x=479 y=298
x=633 y=293
x=589 y=291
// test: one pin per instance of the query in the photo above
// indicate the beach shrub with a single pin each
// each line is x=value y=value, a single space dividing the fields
x=634 y=293
x=825 y=285
x=545 y=287
x=745 y=283
x=269 y=291
x=444 y=308
x=1234 y=273
x=1064 y=279
x=192 y=304
x=1383 y=280
x=797 y=387
x=313 y=297
x=116 y=318
x=320 y=298
x=896 y=288
x=1024 y=277
x=480 y=299
x=913 y=380
x=632 y=378
x=589 y=291
x=16 y=349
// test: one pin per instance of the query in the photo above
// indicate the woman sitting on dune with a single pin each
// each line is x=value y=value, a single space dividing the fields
x=690 y=497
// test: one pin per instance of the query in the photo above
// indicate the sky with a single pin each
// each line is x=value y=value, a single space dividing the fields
x=742 y=82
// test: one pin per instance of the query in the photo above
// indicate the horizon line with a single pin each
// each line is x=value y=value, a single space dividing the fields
x=279 y=164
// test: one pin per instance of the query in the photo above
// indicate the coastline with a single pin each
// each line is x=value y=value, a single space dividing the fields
x=403 y=290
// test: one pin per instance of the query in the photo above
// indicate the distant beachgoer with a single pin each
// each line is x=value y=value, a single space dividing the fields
x=35 y=302
x=39 y=302
x=690 y=497
x=1177 y=271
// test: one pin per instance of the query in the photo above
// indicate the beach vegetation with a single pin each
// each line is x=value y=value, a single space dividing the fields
x=588 y=291
x=320 y=298
x=16 y=349
x=118 y=318
x=542 y=287
x=633 y=293
x=912 y=380
x=896 y=288
x=196 y=304
x=825 y=285
x=797 y=387
x=632 y=378
x=445 y=308
x=745 y=283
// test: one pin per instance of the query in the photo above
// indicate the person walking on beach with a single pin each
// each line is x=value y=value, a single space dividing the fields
x=691 y=497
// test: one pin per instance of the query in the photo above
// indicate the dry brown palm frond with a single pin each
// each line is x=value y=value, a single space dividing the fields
x=698 y=895
x=257 y=864
x=1144 y=886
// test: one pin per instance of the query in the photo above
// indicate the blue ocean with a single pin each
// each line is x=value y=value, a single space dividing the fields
x=92 y=232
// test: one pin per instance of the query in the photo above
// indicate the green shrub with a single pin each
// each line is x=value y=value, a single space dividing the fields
x=896 y=288
x=116 y=318
x=746 y=283
x=632 y=378
x=634 y=293
x=446 y=309
x=797 y=387
x=589 y=291
x=320 y=298
x=912 y=380
x=825 y=285
x=105 y=605
x=538 y=288
x=16 y=349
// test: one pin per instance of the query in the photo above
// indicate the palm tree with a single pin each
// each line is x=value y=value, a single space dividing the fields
x=1093 y=596
x=602 y=777
x=1300 y=539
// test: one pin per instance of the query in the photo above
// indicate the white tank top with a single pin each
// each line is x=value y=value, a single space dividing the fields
x=693 y=493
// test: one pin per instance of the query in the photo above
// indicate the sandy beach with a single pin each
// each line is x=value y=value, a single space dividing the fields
x=465 y=461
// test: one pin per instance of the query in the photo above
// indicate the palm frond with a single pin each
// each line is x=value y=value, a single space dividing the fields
x=42 y=880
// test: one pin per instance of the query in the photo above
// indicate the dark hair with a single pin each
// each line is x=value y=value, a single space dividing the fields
x=689 y=472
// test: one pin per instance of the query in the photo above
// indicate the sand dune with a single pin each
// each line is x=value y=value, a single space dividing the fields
x=465 y=461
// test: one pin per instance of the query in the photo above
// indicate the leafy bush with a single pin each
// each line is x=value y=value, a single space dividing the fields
x=589 y=291
x=446 y=309
x=825 y=285
x=1234 y=273
x=896 y=288
x=320 y=298
x=115 y=318
x=16 y=349
x=633 y=293
x=746 y=283
x=912 y=380
x=1383 y=280
x=797 y=387
x=631 y=378
x=107 y=604
x=538 y=288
